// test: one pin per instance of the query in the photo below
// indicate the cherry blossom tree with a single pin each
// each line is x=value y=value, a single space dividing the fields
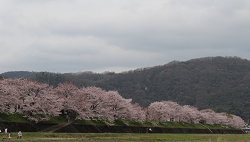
x=69 y=95
x=8 y=95
x=223 y=119
x=33 y=98
x=190 y=114
x=39 y=101
x=237 y=122
x=95 y=102
x=163 y=111
x=208 y=116
x=138 y=113
x=176 y=113
x=108 y=104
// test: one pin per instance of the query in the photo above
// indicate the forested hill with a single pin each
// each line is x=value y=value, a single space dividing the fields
x=18 y=74
x=219 y=83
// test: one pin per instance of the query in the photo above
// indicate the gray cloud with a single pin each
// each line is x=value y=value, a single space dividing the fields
x=96 y=35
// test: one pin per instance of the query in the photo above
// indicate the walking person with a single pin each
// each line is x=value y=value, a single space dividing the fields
x=9 y=136
x=5 y=133
x=19 y=135
x=150 y=130
x=68 y=118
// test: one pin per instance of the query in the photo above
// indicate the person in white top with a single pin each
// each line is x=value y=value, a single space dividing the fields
x=150 y=130
x=5 y=131
x=9 y=136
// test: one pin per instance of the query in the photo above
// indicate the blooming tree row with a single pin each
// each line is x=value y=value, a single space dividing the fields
x=171 y=111
x=35 y=98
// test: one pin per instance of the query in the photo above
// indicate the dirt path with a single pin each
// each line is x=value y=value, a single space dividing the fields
x=57 y=127
x=49 y=139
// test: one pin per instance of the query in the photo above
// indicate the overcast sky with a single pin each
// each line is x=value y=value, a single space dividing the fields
x=118 y=35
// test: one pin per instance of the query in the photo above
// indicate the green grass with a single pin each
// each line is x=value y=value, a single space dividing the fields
x=125 y=137
x=16 y=117
x=120 y=122
x=4 y=117
x=57 y=119
x=92 y=121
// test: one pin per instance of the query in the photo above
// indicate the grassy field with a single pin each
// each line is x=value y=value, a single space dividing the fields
x=122 y=137
x=128 y=137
